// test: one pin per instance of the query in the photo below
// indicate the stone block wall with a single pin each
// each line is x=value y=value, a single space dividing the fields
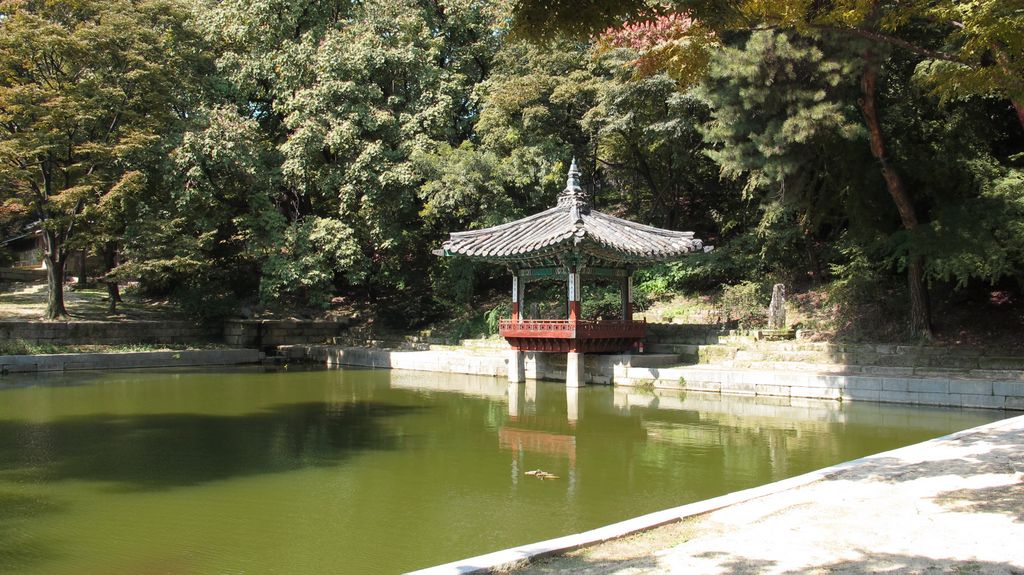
x=22 y=274
x=237 y=333
x=107 y=332
x=129 y=360
x=260 y=333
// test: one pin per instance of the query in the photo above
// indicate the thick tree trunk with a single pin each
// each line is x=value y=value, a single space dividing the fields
x=109 y=263
x=920 y=314
x=55 y=262
x=1020 y=111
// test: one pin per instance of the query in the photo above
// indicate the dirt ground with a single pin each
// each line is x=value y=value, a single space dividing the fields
x=27 y=301
x=950 y=506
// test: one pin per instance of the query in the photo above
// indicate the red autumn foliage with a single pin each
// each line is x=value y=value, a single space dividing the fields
x=648 y=34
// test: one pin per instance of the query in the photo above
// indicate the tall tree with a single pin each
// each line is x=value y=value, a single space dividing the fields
x=979 y=41
x=85 y=87
x=349 y=93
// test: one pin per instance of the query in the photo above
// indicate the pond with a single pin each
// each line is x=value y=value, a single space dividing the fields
x=359 y=471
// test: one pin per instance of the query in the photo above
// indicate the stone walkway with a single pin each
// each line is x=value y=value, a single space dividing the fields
x=953 y=505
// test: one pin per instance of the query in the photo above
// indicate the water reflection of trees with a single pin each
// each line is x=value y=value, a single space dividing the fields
x=180 y=449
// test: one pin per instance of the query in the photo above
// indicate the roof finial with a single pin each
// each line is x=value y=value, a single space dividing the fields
x=573 y=181
x=573 y=195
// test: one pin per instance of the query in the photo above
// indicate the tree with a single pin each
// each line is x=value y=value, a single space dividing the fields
x=210 y=215
x=651 y=150
x=349 y=94
x=86 y=87
x=973 y=38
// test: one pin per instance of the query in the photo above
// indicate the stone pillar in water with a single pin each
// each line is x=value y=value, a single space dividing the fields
x=574 y=372
x=777 y=309
x=515 y=366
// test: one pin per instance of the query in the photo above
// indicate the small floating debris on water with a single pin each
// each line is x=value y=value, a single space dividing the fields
x=540 y=474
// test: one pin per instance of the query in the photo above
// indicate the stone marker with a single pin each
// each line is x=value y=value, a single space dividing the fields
x=777 y=309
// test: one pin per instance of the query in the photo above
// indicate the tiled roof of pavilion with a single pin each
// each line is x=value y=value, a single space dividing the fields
x=571 y=226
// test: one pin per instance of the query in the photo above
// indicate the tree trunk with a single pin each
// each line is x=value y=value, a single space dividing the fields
x=109 y=263
x=1004 y=63
x=83 y=280
x=920 y=310
x=55 y=262
x=920 y=315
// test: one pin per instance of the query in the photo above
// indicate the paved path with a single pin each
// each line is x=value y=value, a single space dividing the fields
x=953 y=505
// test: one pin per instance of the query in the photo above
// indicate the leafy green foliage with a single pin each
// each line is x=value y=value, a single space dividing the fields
x=335 y=144
x=495 y=315
x=746 y=304
x=798 y=93
x=302 y=271
x=86 y=91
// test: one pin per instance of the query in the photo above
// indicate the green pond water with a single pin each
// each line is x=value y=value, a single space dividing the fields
x=355 y=471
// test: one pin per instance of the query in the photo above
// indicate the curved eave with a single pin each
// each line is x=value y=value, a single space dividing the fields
x=556 y=231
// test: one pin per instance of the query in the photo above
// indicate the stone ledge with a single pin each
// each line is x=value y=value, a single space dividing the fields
x=126 y=360
x=618 y=370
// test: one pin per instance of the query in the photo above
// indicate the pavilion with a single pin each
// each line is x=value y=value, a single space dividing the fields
x=574 y=242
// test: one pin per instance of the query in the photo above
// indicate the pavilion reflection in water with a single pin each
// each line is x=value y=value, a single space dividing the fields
x=707 y=438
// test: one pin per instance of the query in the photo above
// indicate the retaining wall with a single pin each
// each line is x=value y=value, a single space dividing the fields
x=944 y=391
x=542 y=366
x=641 y=370
x=240 y=333
x=22 y=274
x=75 y=361
x=261 y=333
x=107 y=332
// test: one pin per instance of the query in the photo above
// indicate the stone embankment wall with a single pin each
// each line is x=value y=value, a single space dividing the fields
x=730 y=362
x=108 y=332
x=489 y=357
x=22 y=274
x=129 y=360
x=263 y=333
x=476 y=357
x=944 y=391
x=240 y=333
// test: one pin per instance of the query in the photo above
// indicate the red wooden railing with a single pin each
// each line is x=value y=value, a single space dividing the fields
x=567 y=329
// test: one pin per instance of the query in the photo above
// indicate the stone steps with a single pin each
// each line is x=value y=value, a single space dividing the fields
x=869 y=359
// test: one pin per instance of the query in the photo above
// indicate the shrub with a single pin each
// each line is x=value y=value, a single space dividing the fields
x=497 y=313
x=745 y=303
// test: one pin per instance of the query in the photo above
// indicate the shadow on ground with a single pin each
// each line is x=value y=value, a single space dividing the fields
x=27 y=302
x=998 y=453
x=723 y=563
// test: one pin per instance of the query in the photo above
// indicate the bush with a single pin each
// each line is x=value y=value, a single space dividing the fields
x=745 y=303
x=605 y=301
x=497 y=313
x=303 y=270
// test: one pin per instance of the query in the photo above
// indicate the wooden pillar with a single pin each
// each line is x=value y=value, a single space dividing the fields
x=627 y=298
x=574 y=296
x=521 y=295
x=515 y=296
